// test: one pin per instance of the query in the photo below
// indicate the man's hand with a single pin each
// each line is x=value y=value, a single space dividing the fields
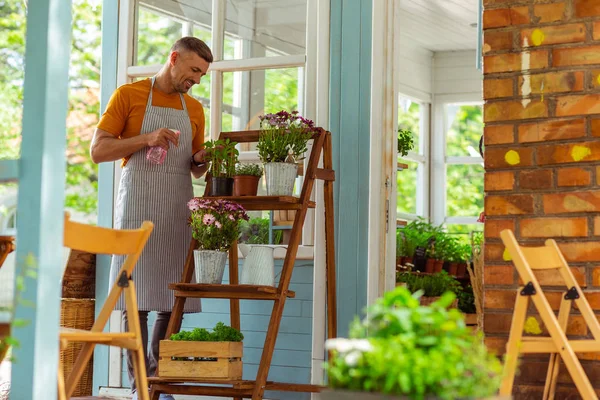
x=161 y=137
x=201 y=156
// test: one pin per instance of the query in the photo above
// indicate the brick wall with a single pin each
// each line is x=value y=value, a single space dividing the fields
x=542 y=137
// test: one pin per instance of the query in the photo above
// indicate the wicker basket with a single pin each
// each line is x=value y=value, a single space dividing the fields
x=79 y=279
x=77 y=314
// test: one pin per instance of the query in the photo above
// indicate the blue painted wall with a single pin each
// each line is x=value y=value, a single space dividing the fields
x=292 y=356
x=350 y=88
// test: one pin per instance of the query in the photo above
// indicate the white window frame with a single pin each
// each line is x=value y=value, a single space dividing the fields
x=422 y=157
x=440 y=160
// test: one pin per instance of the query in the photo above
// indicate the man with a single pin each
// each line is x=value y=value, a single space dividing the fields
x=141 y=115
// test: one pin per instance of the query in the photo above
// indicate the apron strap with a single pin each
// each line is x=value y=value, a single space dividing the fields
x=149 y=103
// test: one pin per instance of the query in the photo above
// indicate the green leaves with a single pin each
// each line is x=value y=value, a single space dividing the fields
x=248 y=169
x=223 y=157
x=220 y=333
x=405 y=142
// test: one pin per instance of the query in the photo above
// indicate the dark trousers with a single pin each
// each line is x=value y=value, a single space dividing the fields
x=158 y=334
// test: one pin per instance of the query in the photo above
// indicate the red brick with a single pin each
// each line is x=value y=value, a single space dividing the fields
x=568 y=153
x=496 y=18
x=499 y=181
x=554 y=82
x=568 y=56
x=514 y=110
x=511 y=62
x=581 y=251
x=549 y=12
x=596 y=276
x=505 y=299
x=500 y=323
x=498 y=134
x=496 y=88
x=519 y=15
x=595 y=125
x=596 y=30
x=574 y=177
x=597 y=175
x=553 y=227
x=535 y=179
x=551 y=277
x=508 y=157
x=497 y=40
x=578 y=105
x=595 y=81
x=508 y=205
x=586 y=8
x=493 y=227
x=551 y=130
x=556 y=34
x=493 y=252
x=570 y=202
x=597 y=226
x=498 y=275
x=495 y=345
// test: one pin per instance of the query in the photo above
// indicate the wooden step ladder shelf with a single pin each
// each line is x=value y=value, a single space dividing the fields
x=234 y=291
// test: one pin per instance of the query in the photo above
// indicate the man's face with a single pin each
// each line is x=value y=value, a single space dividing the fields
x=187 y=68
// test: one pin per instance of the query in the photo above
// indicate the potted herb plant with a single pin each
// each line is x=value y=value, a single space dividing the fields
x=282 y=142
x=405 y=142
x=223 y=157
x=402 y=350
x=246 y=178
x=215 y=227
x=214 y=355
x=432 y=287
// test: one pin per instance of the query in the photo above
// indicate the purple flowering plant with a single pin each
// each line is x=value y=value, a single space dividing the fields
x=215 y=222
x=284 y=134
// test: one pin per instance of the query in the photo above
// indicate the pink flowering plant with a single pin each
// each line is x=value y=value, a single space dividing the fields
x=215 y=222
x=282 y=135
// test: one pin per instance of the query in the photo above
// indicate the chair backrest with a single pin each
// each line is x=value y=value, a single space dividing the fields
x=98 y=240
x=536 y=258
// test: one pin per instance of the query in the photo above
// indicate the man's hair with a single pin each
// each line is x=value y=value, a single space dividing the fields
x=190 y=43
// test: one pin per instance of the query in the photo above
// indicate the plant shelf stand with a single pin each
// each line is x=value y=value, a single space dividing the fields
x=234 y=291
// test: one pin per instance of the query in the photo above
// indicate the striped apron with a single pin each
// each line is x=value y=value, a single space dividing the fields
x=158 y=193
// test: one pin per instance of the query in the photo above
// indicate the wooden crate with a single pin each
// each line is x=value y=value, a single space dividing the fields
x=225 y=360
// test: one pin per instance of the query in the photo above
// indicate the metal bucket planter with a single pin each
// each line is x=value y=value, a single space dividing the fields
x=209 y=265
x=281 y=178
x=259 y=265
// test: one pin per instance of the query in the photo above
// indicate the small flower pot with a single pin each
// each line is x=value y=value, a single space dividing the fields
x=281 y=178
x=245 y=185
x=220 y=186
x=461 y=270
x=430 y=265
x=438 y=265
x=209 y=266
x=453 y=268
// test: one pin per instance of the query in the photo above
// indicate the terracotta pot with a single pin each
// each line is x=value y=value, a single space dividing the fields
x=453 y=268
x=430 y=265
x=462 y=269
x=245 y=185
x=438 y=265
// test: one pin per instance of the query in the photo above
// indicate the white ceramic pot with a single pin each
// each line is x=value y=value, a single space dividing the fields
x=209 y=265
x=280 y=178
x=259 y=265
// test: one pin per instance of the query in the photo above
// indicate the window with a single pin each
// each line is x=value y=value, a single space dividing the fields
x=413 y=182
x=463 y=127
x=260 y=60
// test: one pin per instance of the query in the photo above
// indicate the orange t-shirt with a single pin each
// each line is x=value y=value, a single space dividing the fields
x=125 y=112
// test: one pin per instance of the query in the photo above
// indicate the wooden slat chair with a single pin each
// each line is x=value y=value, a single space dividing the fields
x=99 y=240
x=544 y=258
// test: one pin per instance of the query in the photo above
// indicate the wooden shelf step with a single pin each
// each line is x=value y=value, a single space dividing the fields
x=174 y=386
x=258 y=203
x=216 y=291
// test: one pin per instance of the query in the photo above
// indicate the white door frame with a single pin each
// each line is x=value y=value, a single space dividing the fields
x=383 y=149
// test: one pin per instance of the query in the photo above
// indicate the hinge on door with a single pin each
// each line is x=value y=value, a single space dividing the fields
x=387 y=215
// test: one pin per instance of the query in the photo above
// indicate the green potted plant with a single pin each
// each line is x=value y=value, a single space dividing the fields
x=223 y=156
x=282 y=142
x=432 y=287
x=190 y=354
x=402 y=350
x=215 y=227
x=246 y=179
x=256 y=231
x=405 y=142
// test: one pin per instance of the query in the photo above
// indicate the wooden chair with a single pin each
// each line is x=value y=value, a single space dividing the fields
x=544 y=258
x=99 y=240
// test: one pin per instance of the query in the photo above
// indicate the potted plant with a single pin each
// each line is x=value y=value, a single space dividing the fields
x=215 y=227
x=256 y=231
x=214 y=355
x=403 y=350
x=223 y=156
x=432 y=287
x=405 y=142
x=246 y=178
x=282 y=142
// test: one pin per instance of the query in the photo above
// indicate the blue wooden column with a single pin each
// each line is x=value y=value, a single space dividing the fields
x=41 y=196
x=350 y=97
x=106 y=171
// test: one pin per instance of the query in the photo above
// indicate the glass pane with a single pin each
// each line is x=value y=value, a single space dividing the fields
x=464 y=129
x=201 y=93
x=407 y=189
x=464 y=230
x=464 y=190
x=247 y=95
x=156 y=33
x=409 y=118
x=265 y=28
